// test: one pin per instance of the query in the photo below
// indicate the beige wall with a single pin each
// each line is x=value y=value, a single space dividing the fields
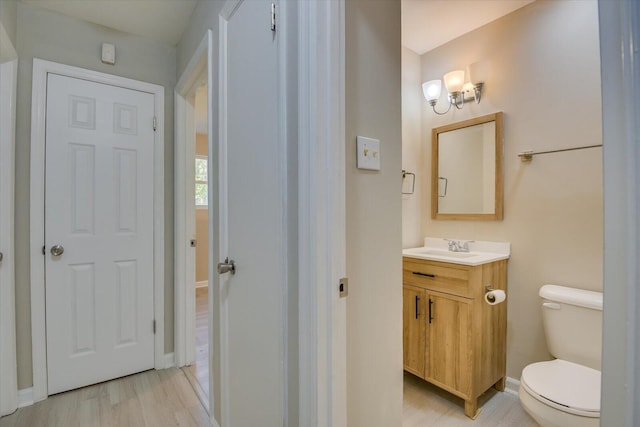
x=202 y=223
x=47 y=35
x=374 y=233
x=545 y=77
x=412 y=148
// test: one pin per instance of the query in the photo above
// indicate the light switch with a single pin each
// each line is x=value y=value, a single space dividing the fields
x=108 y=53
x=368 y=153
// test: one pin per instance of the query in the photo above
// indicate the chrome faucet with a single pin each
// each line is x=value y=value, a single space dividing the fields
x=458 y=245
x=453 y=245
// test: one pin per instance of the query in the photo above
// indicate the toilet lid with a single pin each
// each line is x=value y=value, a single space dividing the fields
x=567 y=384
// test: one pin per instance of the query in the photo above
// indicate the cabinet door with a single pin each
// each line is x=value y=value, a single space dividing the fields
x=449 y=360
x=414 y=329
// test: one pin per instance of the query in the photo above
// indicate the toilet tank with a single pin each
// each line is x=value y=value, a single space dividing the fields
x=572 y=321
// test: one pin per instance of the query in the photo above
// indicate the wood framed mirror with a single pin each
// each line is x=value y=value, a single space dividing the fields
x=466 y=169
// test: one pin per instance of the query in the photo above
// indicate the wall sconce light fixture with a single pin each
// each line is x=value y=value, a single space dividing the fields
x=458 y=92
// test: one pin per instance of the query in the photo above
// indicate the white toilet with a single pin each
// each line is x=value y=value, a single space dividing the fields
x=565 y=392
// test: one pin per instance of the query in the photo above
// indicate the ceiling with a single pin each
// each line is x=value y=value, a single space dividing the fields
x=426 y=24
x=160 y=20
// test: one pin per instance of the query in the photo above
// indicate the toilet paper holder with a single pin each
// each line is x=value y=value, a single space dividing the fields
x=490 y=298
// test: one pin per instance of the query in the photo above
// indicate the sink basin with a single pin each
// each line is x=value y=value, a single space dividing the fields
x=436 y=249
x=447 y=254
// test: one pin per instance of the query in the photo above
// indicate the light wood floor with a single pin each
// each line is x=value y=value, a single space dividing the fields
x=175 y=397
x=165 y=398
x=198 y=372
x=426 y=405
x=148 y=399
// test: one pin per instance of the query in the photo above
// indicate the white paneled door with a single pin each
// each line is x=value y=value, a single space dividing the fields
x=98 y=232
x=253 y=218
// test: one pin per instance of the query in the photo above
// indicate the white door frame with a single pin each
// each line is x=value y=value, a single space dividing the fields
x=8 y=84
x=199 y=71
x=37 y=210
x=322 y=213
x=619 y=36
x=196 y=73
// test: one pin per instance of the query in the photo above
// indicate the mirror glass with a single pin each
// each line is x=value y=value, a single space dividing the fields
x=467 y=169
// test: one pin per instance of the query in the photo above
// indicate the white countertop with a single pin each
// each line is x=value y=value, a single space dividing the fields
x=480 y=252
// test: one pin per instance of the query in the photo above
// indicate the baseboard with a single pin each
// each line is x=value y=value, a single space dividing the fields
x=202 y=284
x=25 y=397
x=169 y=361
x=512 y=386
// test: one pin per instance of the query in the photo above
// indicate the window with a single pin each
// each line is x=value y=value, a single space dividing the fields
x=202 y=199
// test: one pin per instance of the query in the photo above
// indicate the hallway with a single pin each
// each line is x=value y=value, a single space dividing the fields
x=148 y=399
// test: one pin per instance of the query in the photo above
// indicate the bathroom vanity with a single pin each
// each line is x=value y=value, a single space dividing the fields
x=452 y=337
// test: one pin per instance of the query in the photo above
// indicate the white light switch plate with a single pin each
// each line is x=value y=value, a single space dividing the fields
x=368 y=153
x=108 y=53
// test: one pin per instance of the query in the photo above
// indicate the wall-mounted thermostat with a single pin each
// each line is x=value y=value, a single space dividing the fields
x=368 y=153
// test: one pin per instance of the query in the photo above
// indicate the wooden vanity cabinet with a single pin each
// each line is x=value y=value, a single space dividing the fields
x=451 y=337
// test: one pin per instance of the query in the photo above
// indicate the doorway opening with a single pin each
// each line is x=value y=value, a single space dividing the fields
x=197 y=369
x=192 y=338
x=537 y=195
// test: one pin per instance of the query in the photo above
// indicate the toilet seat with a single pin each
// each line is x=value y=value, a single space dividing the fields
x=565 y=386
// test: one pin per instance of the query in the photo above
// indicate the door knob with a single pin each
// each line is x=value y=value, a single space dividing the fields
x=1 y=256
x=57 y=250
x=227 y=267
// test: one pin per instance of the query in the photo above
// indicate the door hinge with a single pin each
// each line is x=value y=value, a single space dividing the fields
x=155 y=123
x=273 y=16
x=154 y=326
x=44 y=250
